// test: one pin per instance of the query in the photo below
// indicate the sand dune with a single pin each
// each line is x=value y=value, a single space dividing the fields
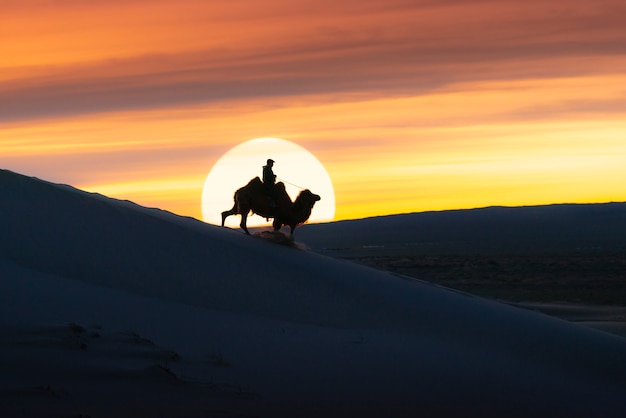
x=111 y=309
x=552 y=229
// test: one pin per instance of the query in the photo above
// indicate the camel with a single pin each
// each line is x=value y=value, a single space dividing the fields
x=253 y=197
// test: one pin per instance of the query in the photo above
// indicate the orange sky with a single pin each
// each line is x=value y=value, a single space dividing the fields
x=410 y=105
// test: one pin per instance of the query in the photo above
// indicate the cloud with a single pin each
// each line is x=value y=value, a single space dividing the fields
x=382 y=48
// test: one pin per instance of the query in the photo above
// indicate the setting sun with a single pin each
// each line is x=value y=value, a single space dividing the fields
x=296 y=167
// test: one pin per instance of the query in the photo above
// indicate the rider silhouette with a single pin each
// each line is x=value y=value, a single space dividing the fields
x=269 y=179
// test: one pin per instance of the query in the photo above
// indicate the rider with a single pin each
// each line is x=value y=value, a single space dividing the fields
x=269 y=179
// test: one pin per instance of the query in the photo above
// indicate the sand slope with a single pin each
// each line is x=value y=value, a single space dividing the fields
x=111 y=309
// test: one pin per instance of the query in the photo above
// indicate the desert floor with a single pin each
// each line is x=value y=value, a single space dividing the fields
x=587 y=287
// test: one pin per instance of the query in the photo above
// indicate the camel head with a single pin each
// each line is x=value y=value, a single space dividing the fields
x=301 y=209
x=308 y=198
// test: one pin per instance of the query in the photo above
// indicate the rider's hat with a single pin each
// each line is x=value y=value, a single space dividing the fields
x=270 y=161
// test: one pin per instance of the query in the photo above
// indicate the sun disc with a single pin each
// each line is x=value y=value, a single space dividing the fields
x=294 y=166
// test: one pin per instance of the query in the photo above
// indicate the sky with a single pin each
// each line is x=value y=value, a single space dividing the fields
x=410 y=105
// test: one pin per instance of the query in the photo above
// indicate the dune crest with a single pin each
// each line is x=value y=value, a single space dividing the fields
x=258 y=328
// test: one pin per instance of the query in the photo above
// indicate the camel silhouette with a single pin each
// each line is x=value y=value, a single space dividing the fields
x=253 y=197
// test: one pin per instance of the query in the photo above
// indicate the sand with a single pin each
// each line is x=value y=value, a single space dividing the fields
x=108 y=309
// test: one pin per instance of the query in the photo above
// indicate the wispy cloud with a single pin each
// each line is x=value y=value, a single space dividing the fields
x=381 y=48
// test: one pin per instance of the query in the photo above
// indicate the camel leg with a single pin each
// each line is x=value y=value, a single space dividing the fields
x=244 y=220
x=277 y=224
x=227 y=213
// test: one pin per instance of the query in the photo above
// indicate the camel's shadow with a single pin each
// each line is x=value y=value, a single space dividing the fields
x=277 y=237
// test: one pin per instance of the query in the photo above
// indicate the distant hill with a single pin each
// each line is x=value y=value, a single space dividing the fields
x=551 y=228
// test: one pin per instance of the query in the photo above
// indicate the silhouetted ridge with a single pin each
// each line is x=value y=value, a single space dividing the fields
x=557 y=228
x=292 y=323
x=68 y=236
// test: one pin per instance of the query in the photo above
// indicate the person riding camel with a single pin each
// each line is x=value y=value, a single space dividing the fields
x=269 y=179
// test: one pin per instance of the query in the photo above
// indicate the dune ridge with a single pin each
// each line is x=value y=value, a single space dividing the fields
x=259 y=329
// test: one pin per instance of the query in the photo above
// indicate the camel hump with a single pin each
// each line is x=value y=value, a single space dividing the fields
x=256 y=188
x=255 y=181
x=257 y=185
x=254 y=185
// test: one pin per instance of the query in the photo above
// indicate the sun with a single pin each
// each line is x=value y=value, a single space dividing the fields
x=294 y=166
